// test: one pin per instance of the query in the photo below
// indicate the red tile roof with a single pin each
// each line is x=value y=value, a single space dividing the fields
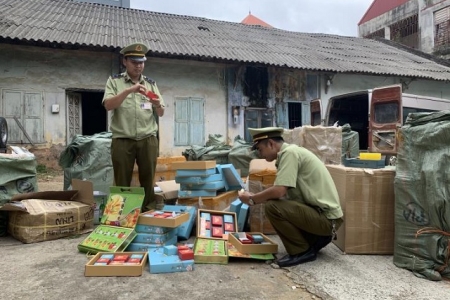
x=379 y=7
x=252 y=20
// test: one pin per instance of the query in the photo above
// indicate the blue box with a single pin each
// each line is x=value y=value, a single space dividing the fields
x=206 y=216
x=198 y=179
x=195 y=193
x=235 y=207
x=242 y=216
x=161 y=263
x=143 y=247
x=184 y=230
x=151 y=229
x=228 y=219
x=209 y=186
x=154 y=238
x=233 y=181
x=200 y=173
x=170 y=250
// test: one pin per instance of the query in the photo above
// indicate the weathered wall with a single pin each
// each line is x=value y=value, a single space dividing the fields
x=52 y=72
x=425 y=9
x=399 y=13
x=177 y=78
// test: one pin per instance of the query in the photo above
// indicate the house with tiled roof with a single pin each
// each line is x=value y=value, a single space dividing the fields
x=216 y=77
x=253 y=20
x=419 y=24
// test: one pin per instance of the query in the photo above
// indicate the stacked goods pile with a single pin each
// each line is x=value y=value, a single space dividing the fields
x=422 y=205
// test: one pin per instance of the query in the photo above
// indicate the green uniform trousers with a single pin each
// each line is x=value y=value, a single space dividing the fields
x=124 y=153
x=298 y=225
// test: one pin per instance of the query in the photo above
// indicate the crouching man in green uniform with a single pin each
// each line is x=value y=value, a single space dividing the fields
x=134 y=123
x=303 y=204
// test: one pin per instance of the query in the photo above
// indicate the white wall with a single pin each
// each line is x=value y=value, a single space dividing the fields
x=52 y=71
x=178 y=78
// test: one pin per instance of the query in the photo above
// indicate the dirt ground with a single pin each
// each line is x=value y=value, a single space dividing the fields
x=42 y=271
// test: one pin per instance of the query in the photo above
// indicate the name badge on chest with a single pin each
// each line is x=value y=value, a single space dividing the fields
x=146 y=105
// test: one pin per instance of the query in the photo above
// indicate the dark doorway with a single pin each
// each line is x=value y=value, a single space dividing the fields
x=94 y=115
x=295 y=114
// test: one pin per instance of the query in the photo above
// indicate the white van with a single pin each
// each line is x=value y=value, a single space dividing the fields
x=375 y=114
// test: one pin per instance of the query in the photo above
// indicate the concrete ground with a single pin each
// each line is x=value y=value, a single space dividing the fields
x=55 y=270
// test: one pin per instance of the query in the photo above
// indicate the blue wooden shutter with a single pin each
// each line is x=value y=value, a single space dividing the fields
x=197 y=128
x=181 y=134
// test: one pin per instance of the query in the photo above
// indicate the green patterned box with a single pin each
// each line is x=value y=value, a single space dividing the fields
x=117 y=223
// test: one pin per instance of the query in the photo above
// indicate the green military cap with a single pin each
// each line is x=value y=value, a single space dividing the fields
x=259 y=134
x=135 y=52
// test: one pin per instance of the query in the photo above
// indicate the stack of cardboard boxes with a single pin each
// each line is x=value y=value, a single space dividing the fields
x=261 y=176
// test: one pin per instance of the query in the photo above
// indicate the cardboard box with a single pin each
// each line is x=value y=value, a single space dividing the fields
x=210 y=251
x=367 y=200
x=272 y=247
x=50 y=215
x=137 y=247
x=258 y=220
x=262 y=175
x=163 y=172
x=201 y=221
x=166 y=163
x=220 y=202
x=194 y=165
x=118 y=221
x=184 y=230
x=169 y=191
x=91 y=270
x=149 y=218
x=233 y=252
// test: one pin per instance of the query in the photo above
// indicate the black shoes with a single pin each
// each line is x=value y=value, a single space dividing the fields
x=309 y=255
x=293 y=260
x=321 y=242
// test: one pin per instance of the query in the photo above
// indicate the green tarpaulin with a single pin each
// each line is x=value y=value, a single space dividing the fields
x=422 y=196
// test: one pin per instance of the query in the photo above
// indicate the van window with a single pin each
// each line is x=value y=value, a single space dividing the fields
x=408 y=110
x=386 y=112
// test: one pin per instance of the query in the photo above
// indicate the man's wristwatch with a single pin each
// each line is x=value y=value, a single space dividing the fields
x=250 y=201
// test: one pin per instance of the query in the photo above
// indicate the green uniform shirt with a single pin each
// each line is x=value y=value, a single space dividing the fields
x=307 y=179
x=130 y=120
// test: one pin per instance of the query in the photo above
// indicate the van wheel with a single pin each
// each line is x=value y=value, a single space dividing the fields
x=391 y=160
x=3 y=132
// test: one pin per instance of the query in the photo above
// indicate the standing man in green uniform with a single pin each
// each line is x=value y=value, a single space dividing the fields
x=136 y=103
x=303 y=204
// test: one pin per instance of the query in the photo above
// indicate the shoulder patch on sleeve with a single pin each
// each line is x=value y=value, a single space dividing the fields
x=148 y=79
x=115 y=76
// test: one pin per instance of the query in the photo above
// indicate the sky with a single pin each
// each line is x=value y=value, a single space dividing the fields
x=340 y=17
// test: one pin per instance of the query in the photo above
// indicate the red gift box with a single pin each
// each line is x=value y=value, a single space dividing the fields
x=186 y=254
x=217 y=232
x=150 y=95
x=183 y=247
x=217 y=220
x=134 y=261
x=229 y=227
x=121 y=257
x=103 y=260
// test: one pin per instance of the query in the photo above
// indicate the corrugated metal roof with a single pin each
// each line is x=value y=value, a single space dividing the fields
x=95 y=25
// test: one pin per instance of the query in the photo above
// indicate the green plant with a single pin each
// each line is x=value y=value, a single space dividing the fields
x=41 y=169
